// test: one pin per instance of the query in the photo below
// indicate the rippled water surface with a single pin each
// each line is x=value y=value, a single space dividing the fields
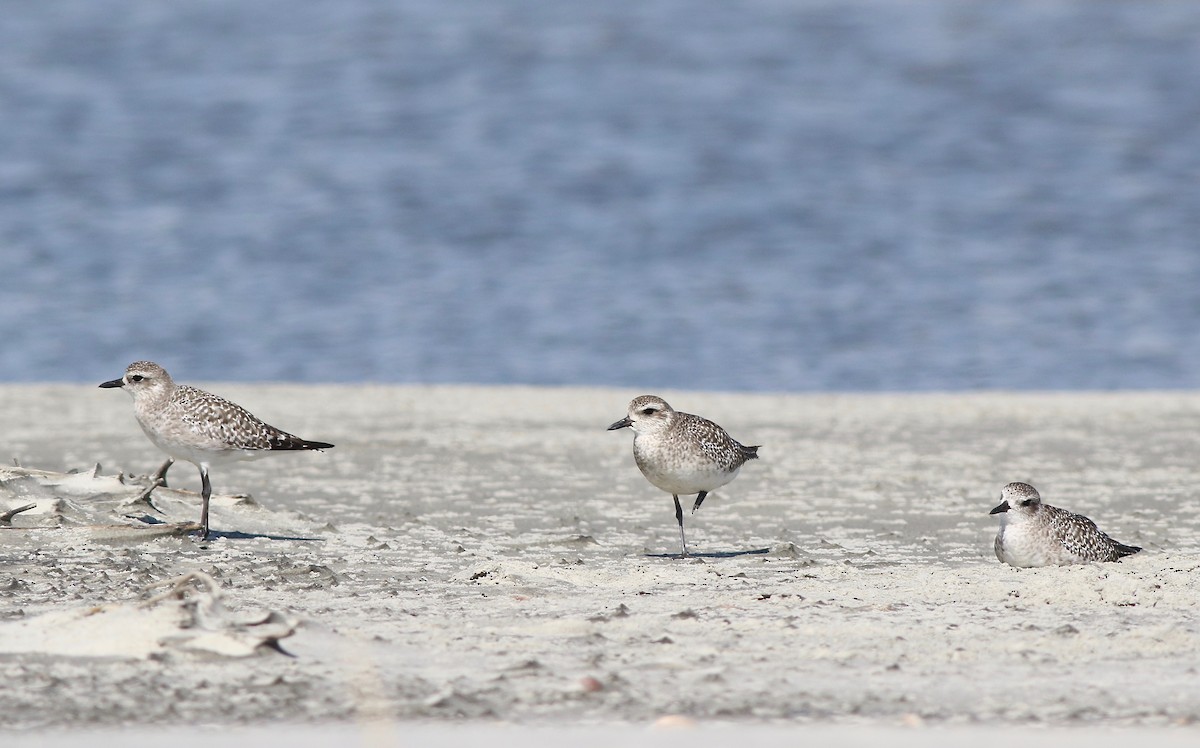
x=763 y=195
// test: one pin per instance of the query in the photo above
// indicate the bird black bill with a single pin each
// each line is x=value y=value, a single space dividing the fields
x=618 y=425
x=1002 y=508
x=113 y=383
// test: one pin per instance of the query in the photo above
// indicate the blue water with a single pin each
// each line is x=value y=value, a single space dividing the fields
x=761 y=195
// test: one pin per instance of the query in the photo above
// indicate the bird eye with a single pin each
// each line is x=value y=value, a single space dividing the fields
x=1027 y=502
x=647 y=411
x=136 y=378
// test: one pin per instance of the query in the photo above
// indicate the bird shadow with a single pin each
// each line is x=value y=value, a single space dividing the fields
x=713 y=554
x=237 y=535
x=193 y=529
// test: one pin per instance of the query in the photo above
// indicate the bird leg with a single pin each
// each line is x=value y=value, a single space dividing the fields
x=699 y=500
x=205 y=495
x=679 y=519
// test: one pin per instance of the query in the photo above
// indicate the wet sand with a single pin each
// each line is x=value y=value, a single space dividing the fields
x=492 y=556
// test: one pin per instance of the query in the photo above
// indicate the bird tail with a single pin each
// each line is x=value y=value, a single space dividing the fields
x=288 y=441
x=750 y=453
x=1126 y=550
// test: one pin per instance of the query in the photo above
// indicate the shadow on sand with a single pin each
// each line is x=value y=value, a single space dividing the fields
x=714 y=554
x=236 y=535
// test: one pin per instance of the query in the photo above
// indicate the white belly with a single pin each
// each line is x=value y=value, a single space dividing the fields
x=1021 y=545
x=199 y=455
x=683 y=481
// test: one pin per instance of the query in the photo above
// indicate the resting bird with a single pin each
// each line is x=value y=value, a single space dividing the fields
x=1037 y=534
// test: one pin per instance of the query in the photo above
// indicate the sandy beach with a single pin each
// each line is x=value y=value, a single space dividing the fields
x=491 y=556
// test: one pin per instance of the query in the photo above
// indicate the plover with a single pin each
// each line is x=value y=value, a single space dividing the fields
x=1037 y=534
x=197 y=426
x=682 y=453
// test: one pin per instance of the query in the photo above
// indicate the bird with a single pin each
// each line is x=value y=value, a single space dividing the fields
x=199 y=427
x=682 y=453
x=1036 y=534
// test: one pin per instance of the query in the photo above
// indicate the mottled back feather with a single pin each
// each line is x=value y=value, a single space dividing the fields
x=715 y=442
x=213 y=417
x=1079 y=535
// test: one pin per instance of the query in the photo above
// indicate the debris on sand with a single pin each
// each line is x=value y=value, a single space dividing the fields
x=117 y=508
x=187 y=616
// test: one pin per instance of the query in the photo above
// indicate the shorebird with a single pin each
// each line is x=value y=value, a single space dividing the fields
x=682 y=453
x=197 y=426
x=1037 y=534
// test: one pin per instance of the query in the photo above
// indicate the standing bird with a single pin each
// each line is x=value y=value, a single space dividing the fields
x=1037 y=534
x=682 y=453
x=190 y=424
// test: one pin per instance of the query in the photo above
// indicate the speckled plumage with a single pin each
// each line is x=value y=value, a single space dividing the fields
x=682 y=453
x=189 y=418
x=1036 y=534
x=197 y=426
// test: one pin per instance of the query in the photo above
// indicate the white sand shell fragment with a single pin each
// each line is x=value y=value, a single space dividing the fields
x=187 y=616
x=122 y=508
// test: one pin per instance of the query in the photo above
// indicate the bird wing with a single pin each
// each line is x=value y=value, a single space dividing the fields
x=1080 y=536
x=226 y=422
x=716 y=443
